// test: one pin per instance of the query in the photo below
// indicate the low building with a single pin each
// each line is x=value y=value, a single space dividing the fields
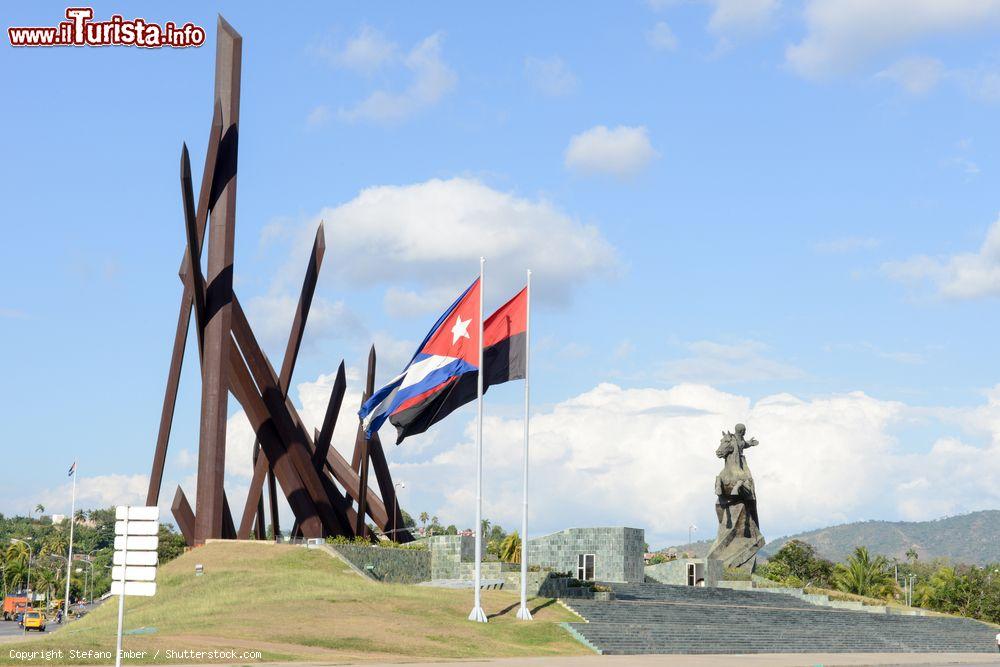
x=686 y=572
x=592 y=554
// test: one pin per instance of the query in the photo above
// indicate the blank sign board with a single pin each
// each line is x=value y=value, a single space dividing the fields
x=135 y=558
x=133 y=573
x=151 y=513
x=137 y=527
x=141 y=588
x=138 y=543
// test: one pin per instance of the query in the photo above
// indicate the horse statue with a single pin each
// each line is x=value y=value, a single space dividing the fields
x=739 y=538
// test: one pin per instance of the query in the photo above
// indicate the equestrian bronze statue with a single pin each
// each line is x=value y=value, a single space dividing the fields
x=739 y=538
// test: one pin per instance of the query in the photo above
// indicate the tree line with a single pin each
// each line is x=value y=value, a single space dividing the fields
x=36 y=541
x=938 y=585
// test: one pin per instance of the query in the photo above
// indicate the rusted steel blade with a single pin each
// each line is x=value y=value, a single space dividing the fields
x=361 y=451
x=194 y=276
x=260 y=531
x=290 y=430
x=330 y=419
x=272 y=498
x=299 y=499
x=369 y=388
x=386 y=489
x=253 y=496
x=181 y=509
x=288 y=364
x=183 y=318
x=228 y=528
x=219 y=292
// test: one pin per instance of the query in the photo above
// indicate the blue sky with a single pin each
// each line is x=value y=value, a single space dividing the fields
x=776 y=212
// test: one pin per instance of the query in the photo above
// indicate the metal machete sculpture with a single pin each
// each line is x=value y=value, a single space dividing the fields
x=327 y=494
x=739 y=538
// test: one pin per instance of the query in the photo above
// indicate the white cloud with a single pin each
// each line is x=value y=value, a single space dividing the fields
x=646 y=458
x=661 y=38
x=961 y=276
x=842 y=34
x=319 y=116
x=13 y=314
x=735 y=18
x=432 y=79
x=366 y=52
x=429 y=236
x=722 y=363
x=272 y=315
x=621 y=151
x=915 y=75
x=98 y=491
x=551 y=76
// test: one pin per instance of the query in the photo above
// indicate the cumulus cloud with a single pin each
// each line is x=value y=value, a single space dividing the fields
x=843 y=34
x=366 y=52
x=646 y=458
x=916 y=75
x=661 y=38
x=431 y=80
x=712 y=362
x=425 y=240
x=968 y=275
x=621 y=151
x=734 y=18
x=95 y=491
x=272 y=315
x=550 y=76
x=319 y=116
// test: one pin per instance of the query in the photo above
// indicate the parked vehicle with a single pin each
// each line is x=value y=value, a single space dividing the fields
x=13 y=605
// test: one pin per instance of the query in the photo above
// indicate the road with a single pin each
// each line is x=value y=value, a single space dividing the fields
x=10 y=629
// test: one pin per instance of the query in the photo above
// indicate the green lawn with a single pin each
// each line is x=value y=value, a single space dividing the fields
x=291 y=603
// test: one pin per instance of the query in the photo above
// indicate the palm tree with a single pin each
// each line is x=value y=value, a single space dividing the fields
x=864 y=575
x=912 y=555
x=510 y=548
x=40 y=508
x=424 y=516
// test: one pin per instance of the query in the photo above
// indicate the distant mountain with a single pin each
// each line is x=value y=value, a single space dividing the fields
x=973 y=539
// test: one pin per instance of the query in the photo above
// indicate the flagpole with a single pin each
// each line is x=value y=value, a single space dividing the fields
x=523 y=613
x=477 y=610
x=69 y=561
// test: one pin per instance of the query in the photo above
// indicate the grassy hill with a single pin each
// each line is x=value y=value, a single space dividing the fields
x=973 y=539
x=291 y=603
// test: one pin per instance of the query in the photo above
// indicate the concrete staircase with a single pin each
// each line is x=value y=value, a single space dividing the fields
x=658 y=618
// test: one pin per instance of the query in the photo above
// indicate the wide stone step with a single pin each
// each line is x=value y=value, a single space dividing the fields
x=658 y=618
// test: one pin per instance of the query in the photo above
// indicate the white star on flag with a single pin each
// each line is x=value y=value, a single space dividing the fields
x=460 y=330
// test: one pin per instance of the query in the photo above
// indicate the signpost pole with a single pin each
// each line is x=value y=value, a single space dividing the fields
x=121 y=596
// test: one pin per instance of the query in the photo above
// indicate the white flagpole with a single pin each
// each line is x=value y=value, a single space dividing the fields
x=477 y=613
x=69 y=561
x=523 y=613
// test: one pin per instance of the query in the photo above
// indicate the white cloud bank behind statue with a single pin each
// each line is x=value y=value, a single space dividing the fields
x=645 y=457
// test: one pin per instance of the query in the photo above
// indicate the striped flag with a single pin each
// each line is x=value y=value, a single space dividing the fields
x=72 y=470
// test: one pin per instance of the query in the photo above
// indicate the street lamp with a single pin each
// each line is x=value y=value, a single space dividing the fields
x=395 y=506
x=28 y=584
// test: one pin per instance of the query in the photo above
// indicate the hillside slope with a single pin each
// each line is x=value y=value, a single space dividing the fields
x=973 y=539
x=292 y=603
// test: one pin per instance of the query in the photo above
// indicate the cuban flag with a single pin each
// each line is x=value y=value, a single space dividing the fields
x=72 y=469
x=450 y=351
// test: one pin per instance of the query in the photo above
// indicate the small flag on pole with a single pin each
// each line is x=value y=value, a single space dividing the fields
x=72 y=470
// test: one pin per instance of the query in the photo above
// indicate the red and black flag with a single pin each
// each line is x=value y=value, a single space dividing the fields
x=504 y=355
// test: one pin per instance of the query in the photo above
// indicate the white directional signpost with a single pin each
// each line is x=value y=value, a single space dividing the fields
x=134 y=570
